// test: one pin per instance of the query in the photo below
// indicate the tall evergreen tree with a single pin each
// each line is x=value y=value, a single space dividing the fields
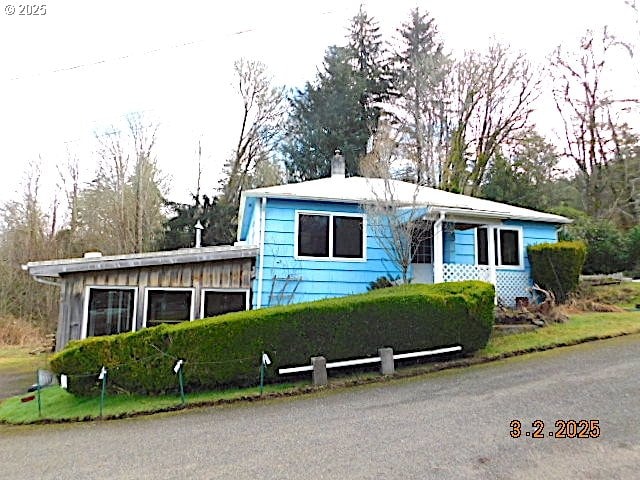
x=420 y=68
x=339 y=109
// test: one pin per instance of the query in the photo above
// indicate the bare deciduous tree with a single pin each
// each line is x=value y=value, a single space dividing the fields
x=263 y=106
x=399 y=223
x=491 y=100
x=120 y=210
x=590 y=113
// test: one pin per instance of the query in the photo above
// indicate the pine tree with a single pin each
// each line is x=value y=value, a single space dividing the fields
x=420 y=67
x=339 y=109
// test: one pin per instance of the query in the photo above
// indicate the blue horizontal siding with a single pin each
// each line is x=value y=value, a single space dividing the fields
x=331 y=278
x=319 y=278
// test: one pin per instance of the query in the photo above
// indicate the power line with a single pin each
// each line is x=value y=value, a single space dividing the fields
x=125 y=57
x=147 y=52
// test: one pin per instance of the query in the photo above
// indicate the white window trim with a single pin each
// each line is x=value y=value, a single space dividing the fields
x=499 y=265
x=330 y=214
x=203 y=292
x=167 y=289
x=85 y=307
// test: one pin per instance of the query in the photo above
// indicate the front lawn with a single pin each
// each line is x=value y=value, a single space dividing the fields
x=59 y=405
x=18 y=369
x=581 y=327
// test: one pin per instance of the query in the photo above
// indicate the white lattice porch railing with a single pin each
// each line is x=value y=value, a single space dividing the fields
x=510 y=284
x=455 y=272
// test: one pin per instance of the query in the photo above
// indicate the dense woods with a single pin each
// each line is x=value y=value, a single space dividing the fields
x=461 y=123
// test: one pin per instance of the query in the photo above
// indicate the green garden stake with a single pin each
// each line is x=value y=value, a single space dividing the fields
x=263 y=364
x=38 y=392
x=178 y=369
x=103 y=377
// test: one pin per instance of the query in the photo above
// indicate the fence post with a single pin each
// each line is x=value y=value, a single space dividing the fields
x=319 y=371
x=387 y=366
x=103 y=377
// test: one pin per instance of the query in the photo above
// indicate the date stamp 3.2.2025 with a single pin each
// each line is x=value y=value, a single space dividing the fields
x=562 y=429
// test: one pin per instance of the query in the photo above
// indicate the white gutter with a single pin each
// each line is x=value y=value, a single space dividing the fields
x=46 y=282
x=263 y=222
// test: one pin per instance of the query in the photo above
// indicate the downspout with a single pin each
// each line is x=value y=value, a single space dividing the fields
x=438 y=245
x=263 y=222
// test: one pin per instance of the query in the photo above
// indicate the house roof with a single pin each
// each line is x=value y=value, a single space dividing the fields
x=55 y=268
x=366 y=190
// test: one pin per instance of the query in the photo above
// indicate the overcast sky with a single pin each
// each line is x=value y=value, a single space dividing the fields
x=84 y=65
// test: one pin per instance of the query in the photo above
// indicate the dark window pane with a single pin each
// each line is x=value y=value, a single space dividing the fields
x=110 y=311
x=168 y=306
x=422 y=245
x=482 y=247
x=313 y=235
x=217 y=303
x=347 y=237
x=509 y=245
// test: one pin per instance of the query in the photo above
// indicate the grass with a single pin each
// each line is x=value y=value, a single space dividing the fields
x=581 y=327
x=625 y=295
x=18 y=369
x=59 y=405
x=20 y=357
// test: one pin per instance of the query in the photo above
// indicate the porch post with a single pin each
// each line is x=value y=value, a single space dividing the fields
x=491 y=247
x=438 y=240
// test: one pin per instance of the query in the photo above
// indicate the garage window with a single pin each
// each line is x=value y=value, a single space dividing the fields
x=217 y=302
x=168 y=306
x=109 y=311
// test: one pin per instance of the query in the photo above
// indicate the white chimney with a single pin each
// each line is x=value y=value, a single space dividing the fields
x=337 y=165
x=199 y=229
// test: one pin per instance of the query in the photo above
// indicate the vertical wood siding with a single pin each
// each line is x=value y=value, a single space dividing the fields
x=232 y=274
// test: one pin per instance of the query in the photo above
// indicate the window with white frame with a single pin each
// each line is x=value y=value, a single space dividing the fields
x=330 y=235
x=507 y=246
x=168 y=306
x=109 y=311
x=218 y=302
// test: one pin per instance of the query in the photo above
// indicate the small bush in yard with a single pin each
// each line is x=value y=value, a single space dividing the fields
x=557 y=266
x=225 y=350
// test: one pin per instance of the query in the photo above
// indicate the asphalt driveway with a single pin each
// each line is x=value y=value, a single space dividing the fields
x=453 y=424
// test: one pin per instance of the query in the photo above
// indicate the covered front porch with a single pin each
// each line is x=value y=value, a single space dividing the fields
x=459 y=248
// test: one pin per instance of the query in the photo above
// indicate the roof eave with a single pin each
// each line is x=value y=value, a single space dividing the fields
x=56 y=268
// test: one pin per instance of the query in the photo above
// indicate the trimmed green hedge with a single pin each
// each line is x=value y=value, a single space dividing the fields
x=557 y=266
x=226 y=350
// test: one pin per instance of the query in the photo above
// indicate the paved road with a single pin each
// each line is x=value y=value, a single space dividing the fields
x=453 y=424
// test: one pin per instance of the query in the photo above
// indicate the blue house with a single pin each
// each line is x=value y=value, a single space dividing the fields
x=301 y=242
x=315 y=239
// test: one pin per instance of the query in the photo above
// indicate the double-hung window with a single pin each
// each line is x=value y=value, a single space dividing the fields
x=330 y=235
x=507 y=246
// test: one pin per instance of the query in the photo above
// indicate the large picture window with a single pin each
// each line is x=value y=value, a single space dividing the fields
x=328 y=235
x=217 y=302
x=168 y=306
x=110 y=311
x=507 y=243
